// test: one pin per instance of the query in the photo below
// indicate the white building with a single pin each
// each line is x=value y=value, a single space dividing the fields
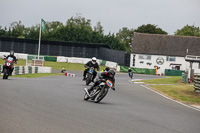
x=165 y=52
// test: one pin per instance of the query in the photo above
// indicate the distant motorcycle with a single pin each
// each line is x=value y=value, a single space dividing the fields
x=89 y=76
x=9 y=64
x=131 y=75
x=99 y=92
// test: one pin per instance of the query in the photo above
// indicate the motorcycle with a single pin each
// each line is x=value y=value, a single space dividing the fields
x=131 y=75
x=9 y=63
x=99 y=92
x=89 y=76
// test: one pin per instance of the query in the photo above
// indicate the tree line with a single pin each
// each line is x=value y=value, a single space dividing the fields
x=79 y=29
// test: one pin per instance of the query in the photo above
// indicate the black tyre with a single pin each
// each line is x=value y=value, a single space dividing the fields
x=5 y=75
x=88 y=79
x=101 y=95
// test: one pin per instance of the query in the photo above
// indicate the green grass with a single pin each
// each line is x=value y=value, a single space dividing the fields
x=168 y=80
x=37 y=75
x=67 y=66
x=178 y=91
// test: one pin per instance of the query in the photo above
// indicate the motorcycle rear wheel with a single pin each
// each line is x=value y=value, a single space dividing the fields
x=88 y=79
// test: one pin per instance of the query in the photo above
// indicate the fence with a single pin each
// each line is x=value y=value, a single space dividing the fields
x=67 y=49
x=170 y=72
x=138 y=70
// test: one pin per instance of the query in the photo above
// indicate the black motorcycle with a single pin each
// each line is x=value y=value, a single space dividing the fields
x=89 y=76
x=99 y=92
x=131 y=75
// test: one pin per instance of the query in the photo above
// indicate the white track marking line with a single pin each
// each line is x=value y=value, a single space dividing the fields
x=171 y=99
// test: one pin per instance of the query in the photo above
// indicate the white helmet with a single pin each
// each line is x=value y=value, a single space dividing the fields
x=94 y=59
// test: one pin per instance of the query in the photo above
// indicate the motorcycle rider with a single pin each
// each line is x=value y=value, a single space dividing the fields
x=129 y=71
x=14 y=59
x=89 y=64
x=110 y=75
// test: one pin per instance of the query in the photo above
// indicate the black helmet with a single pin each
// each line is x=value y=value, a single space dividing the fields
x=107 y=69
x=111 y=73
x=12 y=52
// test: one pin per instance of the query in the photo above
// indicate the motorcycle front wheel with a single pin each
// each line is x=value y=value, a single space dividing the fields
x=101 y=95
x=88 y=79
x=5 y=75
x=86 y=97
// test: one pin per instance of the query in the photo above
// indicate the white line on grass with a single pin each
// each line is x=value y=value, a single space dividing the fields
x=171 y=99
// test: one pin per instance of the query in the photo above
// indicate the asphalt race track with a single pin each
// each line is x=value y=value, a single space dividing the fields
x=55 y=105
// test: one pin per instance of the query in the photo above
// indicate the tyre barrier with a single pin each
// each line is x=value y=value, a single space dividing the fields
x=197 y=83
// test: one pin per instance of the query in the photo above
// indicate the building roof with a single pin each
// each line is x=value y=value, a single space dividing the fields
x=170 y=45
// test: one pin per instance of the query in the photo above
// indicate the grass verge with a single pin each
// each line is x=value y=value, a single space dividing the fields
x=175 y=90
x=55 y=65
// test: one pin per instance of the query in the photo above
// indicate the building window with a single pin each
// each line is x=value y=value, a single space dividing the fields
x=145 y=57
x=171 y=58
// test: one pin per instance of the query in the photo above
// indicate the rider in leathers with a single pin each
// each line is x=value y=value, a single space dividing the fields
x=110 y=75
x=89 y=64
x=14 y=59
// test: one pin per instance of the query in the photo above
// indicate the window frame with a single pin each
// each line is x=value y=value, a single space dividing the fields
x=144 y=57
x=171 y=58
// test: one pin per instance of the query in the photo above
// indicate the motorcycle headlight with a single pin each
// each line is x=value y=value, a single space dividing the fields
x=8 y=64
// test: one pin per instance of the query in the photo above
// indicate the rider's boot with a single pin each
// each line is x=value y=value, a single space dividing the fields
x=84 y=78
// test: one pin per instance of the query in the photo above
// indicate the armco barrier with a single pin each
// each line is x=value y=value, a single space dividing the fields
x=197 y=83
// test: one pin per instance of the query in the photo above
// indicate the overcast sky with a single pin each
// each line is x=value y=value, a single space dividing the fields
x=168 y=15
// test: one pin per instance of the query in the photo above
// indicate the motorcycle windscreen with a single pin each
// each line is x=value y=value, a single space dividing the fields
x=109 y=83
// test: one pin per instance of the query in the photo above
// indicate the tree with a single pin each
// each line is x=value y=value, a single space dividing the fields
x=125 y=35
x=188 y=31
x=17 y=29
x=76 y=29
x=149 y=28
x=32 y=32
x=2 y=31
x=98 y=33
